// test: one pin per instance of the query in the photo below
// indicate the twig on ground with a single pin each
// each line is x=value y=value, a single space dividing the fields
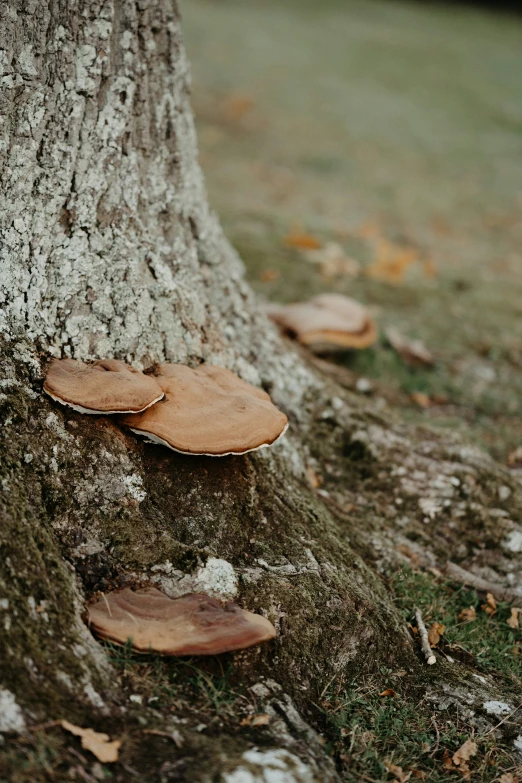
x=501 y=593
x=423 y=633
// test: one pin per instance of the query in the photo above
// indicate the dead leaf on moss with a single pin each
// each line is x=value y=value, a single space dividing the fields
x=236 y=106
x=391 y=261
x=301 y=240
x=468 y=615
x=420 y=399
x=397 y=772
x=333 y=261
x=98 y=743
x=314 y=479
x=413 y=352
x=262 y=719
x=434 y=634
x=461 y=757
x=490 y=607
x=515 y=457
x=513 y=621
x=269 y=275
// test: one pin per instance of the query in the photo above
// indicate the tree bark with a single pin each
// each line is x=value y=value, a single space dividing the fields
x=109 y=249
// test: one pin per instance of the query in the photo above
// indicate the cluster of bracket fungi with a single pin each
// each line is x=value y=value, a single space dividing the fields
x=206 y=411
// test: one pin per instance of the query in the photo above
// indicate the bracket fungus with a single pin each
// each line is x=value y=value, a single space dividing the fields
x=103 y=387
x=209 y=411
x=192 y=625
x=328 y=322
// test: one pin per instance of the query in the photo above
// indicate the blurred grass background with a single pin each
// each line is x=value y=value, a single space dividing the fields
x=394 y=130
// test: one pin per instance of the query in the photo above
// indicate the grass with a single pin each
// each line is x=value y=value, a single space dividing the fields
x=371 y=731
x=494 y=646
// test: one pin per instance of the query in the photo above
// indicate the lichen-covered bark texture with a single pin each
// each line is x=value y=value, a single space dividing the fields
x=108 y=248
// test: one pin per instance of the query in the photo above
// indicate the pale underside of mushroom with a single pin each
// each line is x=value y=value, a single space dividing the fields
x=209 y=411
x=326 y=322
x=101 y=388
x=191 y=625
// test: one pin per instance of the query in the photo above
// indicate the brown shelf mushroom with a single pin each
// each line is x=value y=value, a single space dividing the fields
x=191 y=625
x=103 y=387
x=327 y=322
x=209 y=411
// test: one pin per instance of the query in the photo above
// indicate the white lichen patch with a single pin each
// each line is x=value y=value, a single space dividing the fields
x=216 y=578
x=134 y=486
x=513 y=541
x=11 y=716
x=497 y=708
x=270 y=766
x=518 y=743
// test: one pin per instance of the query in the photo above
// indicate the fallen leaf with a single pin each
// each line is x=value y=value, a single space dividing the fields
x=515 y=457
x=98 y=743
x=391 y=261
x=302 y=240
x=468 y=615
x=513 y=621
x=262 y=719
x=397 y=771
x=236 y=105
x=490 y=607
x=507 y=777
x=333 y=262
x=388 y=692
x=461 y=756
x=313 y=477
x=413 y=352
x=268 y=275
x=419 y=774
x=434 y=634
x=420 y=399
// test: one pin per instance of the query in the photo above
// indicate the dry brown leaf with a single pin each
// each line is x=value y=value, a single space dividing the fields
x=388 y=692
x=98 y=743
x=412 y=352
x=391 y=261
x=513 y=621
x=236 y=105
x=515 y=457
x=419 y=774
x=262 y=719
x=507 y=777
x=268 y=275
x=434 y=634
x=490 y=607
x=468 y=615
x=397 y=771
x=420 y=399
x=301 y=240
x=461 y=757
x=333 y=262
x=313 y=477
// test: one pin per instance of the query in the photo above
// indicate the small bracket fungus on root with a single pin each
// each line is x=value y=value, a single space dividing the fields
x=191 y=625
x=209 y=411
x=103 y=387
x=329 y=322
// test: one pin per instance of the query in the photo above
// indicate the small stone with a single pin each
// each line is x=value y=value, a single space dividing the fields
x=364 y=386
x=504 y=492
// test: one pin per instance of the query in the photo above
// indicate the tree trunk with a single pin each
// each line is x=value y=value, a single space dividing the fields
x=109 y=249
